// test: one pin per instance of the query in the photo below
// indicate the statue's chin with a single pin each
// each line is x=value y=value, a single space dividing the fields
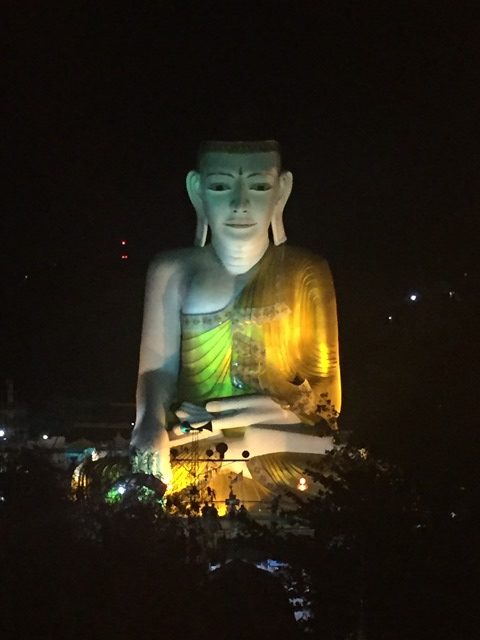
x=240 y=249
x=239 y=240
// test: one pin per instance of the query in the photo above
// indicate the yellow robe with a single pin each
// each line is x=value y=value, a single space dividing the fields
x=279 y=337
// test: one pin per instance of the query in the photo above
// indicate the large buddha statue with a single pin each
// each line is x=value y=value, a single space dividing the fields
x=240 y=333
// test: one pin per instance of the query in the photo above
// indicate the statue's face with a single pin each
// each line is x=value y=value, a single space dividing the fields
x=239 y=192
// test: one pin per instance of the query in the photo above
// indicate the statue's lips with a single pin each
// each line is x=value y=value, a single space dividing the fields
x=240 y=225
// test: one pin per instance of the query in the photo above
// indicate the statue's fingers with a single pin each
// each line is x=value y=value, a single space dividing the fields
x=229 y=421
x=234 y=404
x=243 y=418
x=199 y=414
x=200 y=423
x=190 y=406
x=254 y=416
x=180 y=430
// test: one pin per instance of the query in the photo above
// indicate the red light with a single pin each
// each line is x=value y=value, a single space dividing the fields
x=123 y=243
x=124 y=257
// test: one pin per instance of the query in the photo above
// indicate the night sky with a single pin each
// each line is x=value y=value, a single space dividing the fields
x=375 y=106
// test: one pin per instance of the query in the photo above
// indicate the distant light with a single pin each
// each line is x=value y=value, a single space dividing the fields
x=26 y=276
x=451 y=294
x=453 y=514
x=2 y=433
x=124 y=256
x=121 y=489
x=45 y=436
x=123 y=243
x=413 y=297
x=465 y=275
x=390 y=318
x=132 y=424
x=302 y=484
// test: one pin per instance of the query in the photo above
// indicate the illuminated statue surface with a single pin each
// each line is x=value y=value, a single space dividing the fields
x=240 y=332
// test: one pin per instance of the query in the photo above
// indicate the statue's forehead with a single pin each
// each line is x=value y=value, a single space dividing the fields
x=242 y=162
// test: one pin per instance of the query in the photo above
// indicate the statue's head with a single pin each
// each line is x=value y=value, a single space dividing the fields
x=239 y=190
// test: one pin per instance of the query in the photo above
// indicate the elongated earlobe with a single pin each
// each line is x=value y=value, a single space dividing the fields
x=194 y=192
x=278 y=230
x=201 y=232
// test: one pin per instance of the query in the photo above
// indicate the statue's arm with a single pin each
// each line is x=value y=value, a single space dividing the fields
x=159 y=351
x=320 y=366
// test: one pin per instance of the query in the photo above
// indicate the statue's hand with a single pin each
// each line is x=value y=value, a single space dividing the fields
x=242 y=411
x=194 y=414
x=237 y=411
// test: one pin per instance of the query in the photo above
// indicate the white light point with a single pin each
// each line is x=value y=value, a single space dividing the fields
x=2 y=433
x=121 y=489
x=413 y=297
x=44 y=437
x=302 y=484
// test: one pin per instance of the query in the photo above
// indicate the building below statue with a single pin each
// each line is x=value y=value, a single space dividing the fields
x=248 y=464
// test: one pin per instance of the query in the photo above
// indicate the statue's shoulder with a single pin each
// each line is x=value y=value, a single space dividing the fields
x=308 y=266
x=182 y=262
x=299 y=256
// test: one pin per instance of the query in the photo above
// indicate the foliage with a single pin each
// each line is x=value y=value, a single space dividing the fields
x=385 y=561
x=380 y=550
x=100 y=570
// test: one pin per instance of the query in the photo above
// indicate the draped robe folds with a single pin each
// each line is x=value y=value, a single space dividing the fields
x=279 y=337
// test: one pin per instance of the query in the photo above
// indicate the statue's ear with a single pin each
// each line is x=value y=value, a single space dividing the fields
x=194 y=193
x=285 y=189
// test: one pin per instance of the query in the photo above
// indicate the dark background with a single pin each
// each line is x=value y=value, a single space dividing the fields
x=376 y=108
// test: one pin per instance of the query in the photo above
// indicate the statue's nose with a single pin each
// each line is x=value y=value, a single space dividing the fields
x=240 y=200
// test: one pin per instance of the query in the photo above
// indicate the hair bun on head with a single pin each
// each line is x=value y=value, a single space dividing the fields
x=238 y=146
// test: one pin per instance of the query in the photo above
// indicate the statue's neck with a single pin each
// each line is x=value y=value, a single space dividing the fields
x=239 y=257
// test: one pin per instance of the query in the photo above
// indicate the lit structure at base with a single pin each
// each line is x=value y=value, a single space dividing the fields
x=239 y=333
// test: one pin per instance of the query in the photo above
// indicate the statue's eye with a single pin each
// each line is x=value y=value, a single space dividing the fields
x=261 y=186
x=218 y=186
